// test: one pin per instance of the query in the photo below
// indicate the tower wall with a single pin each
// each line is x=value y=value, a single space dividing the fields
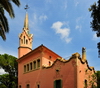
x=25 y=39
x=23 y=50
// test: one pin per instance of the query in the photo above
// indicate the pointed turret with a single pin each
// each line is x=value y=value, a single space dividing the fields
x=83 y=54
x=26 y=25
x=25 y=39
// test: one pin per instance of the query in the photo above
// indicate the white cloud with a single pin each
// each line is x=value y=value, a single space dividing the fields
x=43 y=18
x=78 y=24
x=78 y=27
x=36 y=20
x=64 y=32
x=39 y=18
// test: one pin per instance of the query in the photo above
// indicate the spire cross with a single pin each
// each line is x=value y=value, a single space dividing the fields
x=26 y=7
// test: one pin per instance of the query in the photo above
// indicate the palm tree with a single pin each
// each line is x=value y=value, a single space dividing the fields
x=5 y=5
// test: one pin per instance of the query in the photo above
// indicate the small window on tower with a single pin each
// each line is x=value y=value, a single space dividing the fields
x=22 y=41
x=26 y=41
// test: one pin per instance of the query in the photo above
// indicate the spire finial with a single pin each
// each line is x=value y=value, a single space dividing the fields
x=26 y=7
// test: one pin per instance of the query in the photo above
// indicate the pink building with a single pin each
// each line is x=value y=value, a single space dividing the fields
x=43 y=68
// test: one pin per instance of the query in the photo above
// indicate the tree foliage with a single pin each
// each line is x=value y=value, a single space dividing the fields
x=98 y=79
x=10 y=65
x=4 y=80
x=6 y=5
x=95 y=24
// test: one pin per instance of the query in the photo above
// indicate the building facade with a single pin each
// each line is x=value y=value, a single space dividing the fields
x=43 y=68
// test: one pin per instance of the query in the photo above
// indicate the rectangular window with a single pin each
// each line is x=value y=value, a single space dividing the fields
x=24 y=68
x=58 y=84
x=27 y=67
x=34 y=64
x=38 y=63
x=38 y=86
x=31 y=66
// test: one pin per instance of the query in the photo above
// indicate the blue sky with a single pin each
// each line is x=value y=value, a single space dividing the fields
x=61 y=25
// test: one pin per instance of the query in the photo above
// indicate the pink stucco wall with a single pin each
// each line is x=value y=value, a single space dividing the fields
x=46 y=76
x=72 y=72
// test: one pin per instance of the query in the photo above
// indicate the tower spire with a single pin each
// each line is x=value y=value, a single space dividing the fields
x=26 y=24
x=25 y=38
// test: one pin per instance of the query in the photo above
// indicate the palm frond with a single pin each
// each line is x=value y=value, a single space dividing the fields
x=2 y=32
x=6 y=4
x=16 y=2
x=4 y=21
x=3 y=24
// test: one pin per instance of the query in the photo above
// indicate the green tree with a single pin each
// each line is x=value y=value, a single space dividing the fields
x=4 y=80
x=6 y=5
x=98 y=79
x=10 y=65
x=2 y=85
x=95 y=24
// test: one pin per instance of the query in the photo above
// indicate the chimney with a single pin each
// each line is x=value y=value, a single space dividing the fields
x=83 y=54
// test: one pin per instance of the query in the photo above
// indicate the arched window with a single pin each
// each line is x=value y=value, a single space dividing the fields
x=27 y=86
x=38 y=86
x=49 y=63
x=85 y=82
x=58 y=84
x=31 y=67
x=34 y=64
x=24 y=39
x=21 y=41
x=27 y=67
x=38 y=63
x=24 y=68
x=20 y=86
